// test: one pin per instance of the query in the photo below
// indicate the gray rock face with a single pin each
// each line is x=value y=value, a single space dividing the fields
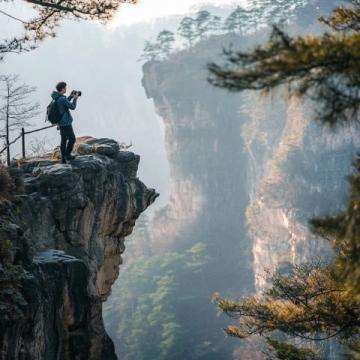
x=208 y=193
x=84 y=210
x=247 y=175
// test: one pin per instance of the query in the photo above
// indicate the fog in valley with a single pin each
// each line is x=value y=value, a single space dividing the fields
x=239 y=174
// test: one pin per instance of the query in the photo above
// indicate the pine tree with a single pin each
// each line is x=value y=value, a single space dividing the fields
x=48 y=16
x=261 y=12
x=215 y=25
x=187 y=30
x=237 y=20
x=203 y=23
x=324 y=67
x=160 y=49
x=165 y=41
x=274 y=11
x=149 y=53
x=314 y=301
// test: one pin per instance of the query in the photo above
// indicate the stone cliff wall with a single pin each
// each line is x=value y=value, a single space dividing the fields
x=248 y=173
x=208 y=192
x=298 y=172
x=84 y=210
x=208 y=167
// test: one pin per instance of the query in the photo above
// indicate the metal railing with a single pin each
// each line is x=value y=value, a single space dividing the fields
x=22 y=136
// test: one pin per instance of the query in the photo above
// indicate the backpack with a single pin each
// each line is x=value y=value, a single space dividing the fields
x=53 y=114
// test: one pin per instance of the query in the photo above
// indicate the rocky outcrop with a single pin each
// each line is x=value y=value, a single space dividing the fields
x=247 y=173
x=74 y=219
x=303 y=175
x=208 y=191
x=208 y=166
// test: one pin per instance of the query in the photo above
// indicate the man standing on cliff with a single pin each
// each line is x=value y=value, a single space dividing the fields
x=65 y=104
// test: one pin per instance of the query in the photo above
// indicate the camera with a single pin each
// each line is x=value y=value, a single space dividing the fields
x=76 y=92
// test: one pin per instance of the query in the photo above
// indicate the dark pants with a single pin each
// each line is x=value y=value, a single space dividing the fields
x=67 y=140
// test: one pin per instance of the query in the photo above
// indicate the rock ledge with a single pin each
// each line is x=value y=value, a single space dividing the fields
x=74 y=218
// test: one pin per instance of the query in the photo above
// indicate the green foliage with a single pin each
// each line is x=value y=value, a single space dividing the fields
x=307 y=303
x=151 y=303
x=325 y=67
x=260 y=13
x=165 y=39
x=187 y=30
x=273 y=11
x=151 y=51
x=215 y=25
x=343 y=230
x=286 y=351
x=204 y=24
x=237 y=20
x=344 y=18
x=315 y=301
x=190 y=30
x=301 y=303
x=161 y=48
x=47 y=16
x=194 y=29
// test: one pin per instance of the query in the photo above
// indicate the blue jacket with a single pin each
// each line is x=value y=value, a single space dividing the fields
x=64 y=105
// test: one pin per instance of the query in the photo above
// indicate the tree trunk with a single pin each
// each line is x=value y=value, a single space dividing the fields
x=7 y=129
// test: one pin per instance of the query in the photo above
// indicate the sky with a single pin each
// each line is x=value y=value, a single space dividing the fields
x=117 y=104
x=128 y=14
x=149 y=10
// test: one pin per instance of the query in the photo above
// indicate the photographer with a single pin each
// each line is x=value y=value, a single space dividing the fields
x=66 y=130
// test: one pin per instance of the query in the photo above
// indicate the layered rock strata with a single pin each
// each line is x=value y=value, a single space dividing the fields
x=74 y=219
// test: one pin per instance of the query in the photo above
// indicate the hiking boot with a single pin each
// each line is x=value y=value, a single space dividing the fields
x=63 y=161
x=70 y=157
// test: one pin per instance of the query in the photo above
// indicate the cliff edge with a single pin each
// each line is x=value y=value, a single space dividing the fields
x=62 y=232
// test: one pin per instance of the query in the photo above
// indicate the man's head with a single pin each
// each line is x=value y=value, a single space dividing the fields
x=61 y=87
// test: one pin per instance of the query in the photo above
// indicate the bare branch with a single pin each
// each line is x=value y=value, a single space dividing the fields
x=49 y=15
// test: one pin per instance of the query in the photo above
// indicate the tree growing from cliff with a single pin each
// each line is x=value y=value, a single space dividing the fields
x=151 y=51
x=314 y=301
x=203 y=23
x=165 y=41
x=261 y=12
x=273 y=11
x=216 y=24
x=187 y=30
x=49 y=15
x=206 y=23
x=161 y=48
x=237 y=21
x=193 y=29
x=15 y=108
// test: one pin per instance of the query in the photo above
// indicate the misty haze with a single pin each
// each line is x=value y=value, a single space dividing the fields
x=209 y=207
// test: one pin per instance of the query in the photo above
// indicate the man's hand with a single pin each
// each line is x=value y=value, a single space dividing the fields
x=75 y=96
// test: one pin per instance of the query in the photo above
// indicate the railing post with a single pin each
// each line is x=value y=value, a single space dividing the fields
x=22 y=136
x=23 y=142
x=7 y=150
